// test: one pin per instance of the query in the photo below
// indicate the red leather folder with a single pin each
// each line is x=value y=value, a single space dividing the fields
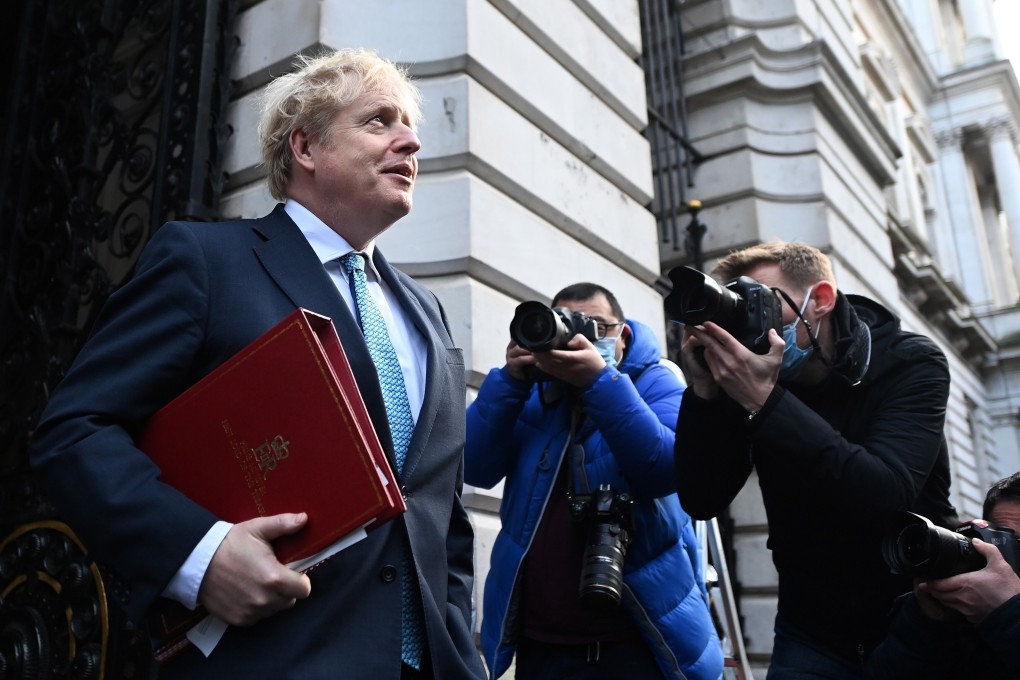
x=278 y=427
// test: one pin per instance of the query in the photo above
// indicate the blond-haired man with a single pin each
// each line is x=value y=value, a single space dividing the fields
x=339 y=141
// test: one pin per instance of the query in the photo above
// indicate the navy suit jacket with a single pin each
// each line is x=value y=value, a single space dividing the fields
x=200 y=293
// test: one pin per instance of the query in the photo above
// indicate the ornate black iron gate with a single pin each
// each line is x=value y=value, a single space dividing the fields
x=113 y=123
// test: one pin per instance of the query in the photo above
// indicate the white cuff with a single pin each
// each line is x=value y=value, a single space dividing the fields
x=184 y=586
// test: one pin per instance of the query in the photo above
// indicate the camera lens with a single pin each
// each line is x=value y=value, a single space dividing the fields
x=922 y=549
x=914 y=546
x=699 y=304
x=696 y=298
x=601 y=584
x=537 y=327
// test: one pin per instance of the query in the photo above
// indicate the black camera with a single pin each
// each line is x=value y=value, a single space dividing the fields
x=610 y=520
x=539 y=328
x=744 y=307
x=916 y=547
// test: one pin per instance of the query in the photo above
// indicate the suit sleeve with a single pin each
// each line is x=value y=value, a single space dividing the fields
x=140 y=355
x=460 y=556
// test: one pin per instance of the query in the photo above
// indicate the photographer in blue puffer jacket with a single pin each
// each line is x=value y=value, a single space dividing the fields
x=596 y=571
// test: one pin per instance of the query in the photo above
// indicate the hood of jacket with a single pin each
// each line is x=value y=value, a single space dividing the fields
x=642 y=352
x=856 y=321
x=888 y=347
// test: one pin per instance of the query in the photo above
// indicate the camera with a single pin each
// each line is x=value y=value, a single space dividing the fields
x=610 y=520
x=916 y=547
x=744 y=307
x=539 y=328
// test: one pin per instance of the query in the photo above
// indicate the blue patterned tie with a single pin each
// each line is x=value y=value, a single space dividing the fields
x=398 y=412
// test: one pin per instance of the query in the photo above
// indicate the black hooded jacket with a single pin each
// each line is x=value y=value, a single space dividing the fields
x=835 y=462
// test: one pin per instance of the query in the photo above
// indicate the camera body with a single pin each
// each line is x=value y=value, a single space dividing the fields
x=744 y=307
x=916 y=547
x=610 y=527
x=539 y=328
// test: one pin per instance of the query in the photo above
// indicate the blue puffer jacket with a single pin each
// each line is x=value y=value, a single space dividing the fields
x=628 y=444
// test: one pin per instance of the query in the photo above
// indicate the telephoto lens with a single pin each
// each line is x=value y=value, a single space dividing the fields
x=610 y=523
x=601 y=585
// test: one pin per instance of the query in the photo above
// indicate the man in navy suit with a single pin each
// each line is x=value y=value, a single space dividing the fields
x=339 y=142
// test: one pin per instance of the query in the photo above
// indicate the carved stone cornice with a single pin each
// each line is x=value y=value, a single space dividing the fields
x=939 y=300
x=1003 y=126
x=951 y=138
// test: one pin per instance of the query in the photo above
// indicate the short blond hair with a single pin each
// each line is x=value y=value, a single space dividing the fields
x=310 y=97
x=801 y=264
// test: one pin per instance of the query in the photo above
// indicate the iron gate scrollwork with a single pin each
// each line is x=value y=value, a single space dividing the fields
x=113 y=123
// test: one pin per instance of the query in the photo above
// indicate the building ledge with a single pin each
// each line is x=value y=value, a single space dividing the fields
x=940 y=301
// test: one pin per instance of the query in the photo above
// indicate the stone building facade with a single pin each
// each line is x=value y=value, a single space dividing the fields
x=882 y=131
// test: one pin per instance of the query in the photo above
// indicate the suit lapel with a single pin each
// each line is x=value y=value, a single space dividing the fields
x=292 y=264
x=290 y=261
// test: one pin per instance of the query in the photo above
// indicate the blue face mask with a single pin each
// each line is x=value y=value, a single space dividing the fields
x=607 y=348
x=794 y=357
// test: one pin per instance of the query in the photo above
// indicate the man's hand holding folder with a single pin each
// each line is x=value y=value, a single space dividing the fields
x=245 y=582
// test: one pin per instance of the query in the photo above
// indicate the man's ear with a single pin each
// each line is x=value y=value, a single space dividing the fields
x=625 y=337
x=300 y=148
x=823 y=297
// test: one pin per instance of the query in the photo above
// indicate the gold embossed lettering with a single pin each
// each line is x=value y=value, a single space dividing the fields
x=270 y=452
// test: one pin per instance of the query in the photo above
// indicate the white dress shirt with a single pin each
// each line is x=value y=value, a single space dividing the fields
x=409 y=344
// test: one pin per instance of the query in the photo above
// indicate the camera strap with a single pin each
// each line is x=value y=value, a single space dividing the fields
x=812 y=334
x=575 y=456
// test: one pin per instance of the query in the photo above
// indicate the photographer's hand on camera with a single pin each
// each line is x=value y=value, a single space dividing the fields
x=518 y=360
x=974 y=594
x=578 y=365
x=932 y=608
x=746 y=377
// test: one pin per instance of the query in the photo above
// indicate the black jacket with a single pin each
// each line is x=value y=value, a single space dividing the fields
x=919 y=648
x=834 y=462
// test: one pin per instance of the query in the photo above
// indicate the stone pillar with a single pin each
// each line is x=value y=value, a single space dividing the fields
x=1006 y=165
x=967 y=233
x=1002 y=275
x=943 y=245
x=924 y=17
x=977 y=25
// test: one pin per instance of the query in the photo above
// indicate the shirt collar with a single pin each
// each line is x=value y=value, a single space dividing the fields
x=327 y=244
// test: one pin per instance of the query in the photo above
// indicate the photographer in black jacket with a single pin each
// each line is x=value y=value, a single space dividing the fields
x=967 y=625
x=842 y=419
